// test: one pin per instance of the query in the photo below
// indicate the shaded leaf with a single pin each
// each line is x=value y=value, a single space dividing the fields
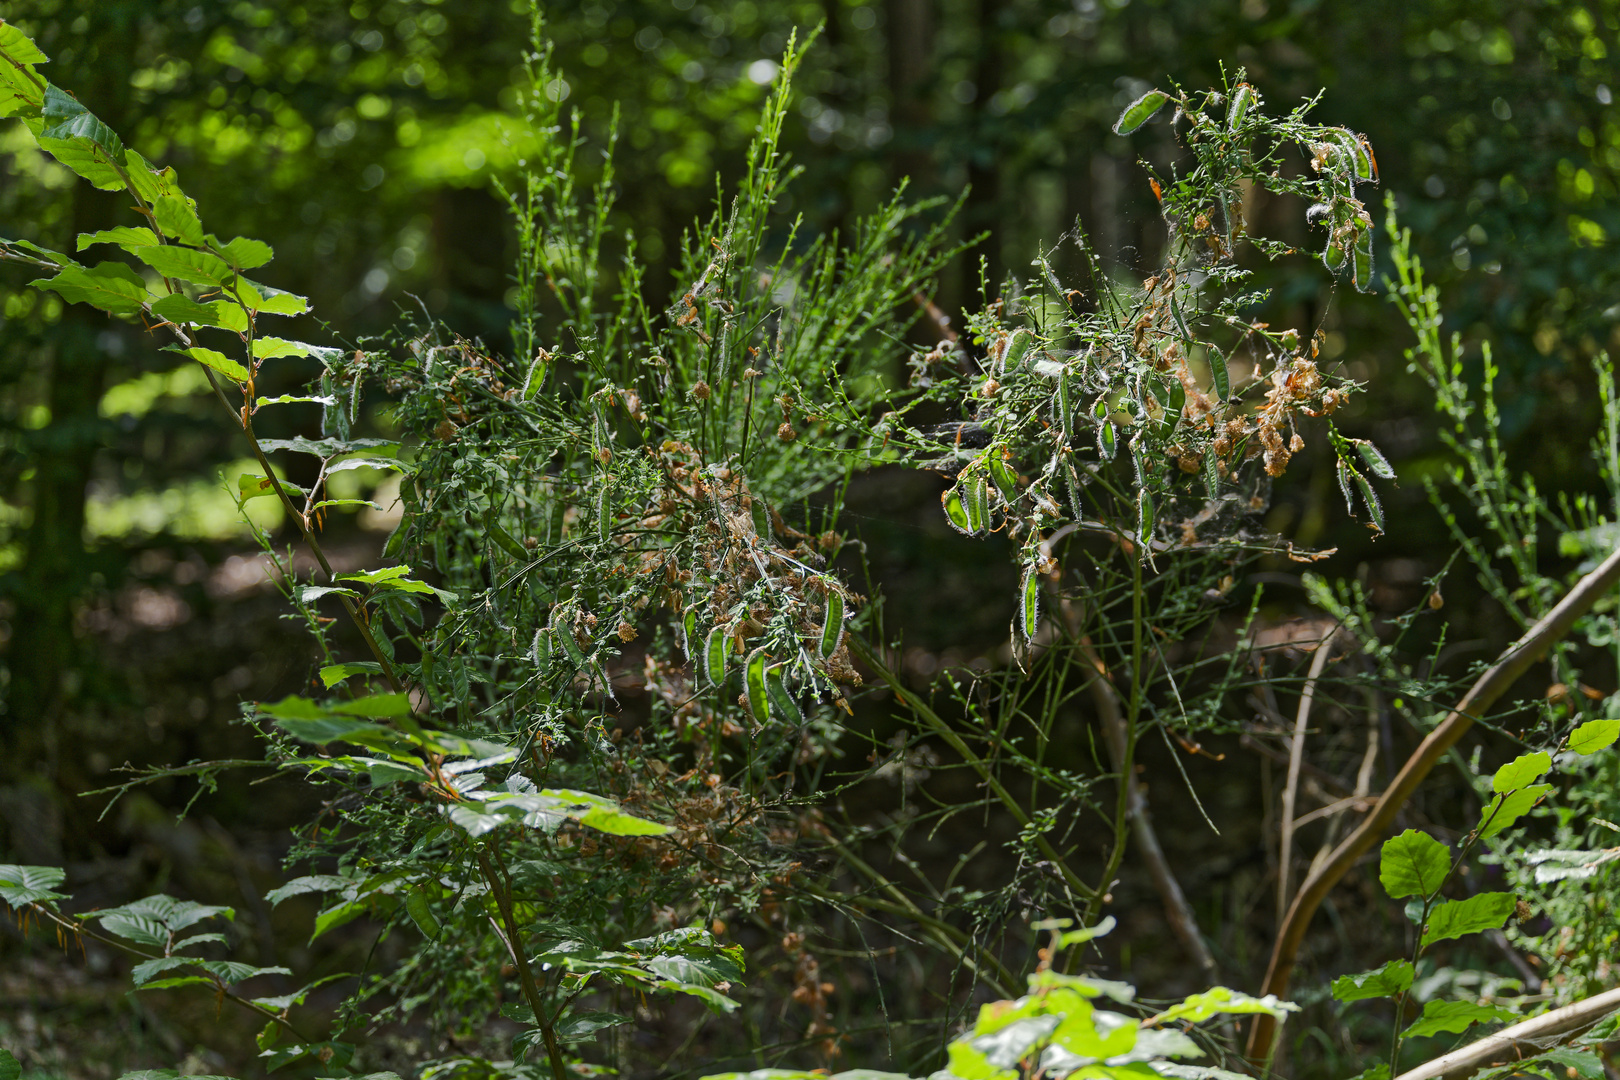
x=1413 y=864
x=1452 y=1017
x=1386 y=981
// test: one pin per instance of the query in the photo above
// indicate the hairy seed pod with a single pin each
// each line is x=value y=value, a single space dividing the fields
x=1071 y=480
x=1344 y=486
x=1017 y=347
x=1140 y=111
x=1030 y=603
x=1106 y=441
x=1363 y=270
x=689 y=626
x=1376 y=462
x=503 y=539
x=1001 y=472
x=976 y=502
x=1212 y=474
x=754 y=682
x=787 y=709
x=1219 y=377
x=714 y=656
x=832 y=626
x=604 y=513
x=955 y=512
x=562 y=627
x=1065 y=405
x=1243 y=99
x=420 y=910
x=540 y=650
x=1144 y=526
x=1374 y=508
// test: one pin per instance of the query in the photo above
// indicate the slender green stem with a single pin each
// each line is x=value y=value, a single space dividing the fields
x=499 y=888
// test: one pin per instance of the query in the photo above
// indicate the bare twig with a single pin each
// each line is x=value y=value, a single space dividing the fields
x=1522 y=1040
x=1513 y=663
x=1296 y=754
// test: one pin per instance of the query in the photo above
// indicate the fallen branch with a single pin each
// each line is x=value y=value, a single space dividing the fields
x=1528 y=1039
x=1514 y=662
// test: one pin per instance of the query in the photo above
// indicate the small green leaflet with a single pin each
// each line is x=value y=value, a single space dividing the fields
x=1501 y=812
x=1386 y=981
x=759 y=702
x=1413 y=864
x=1453 y=1017
x=1454 y=918
x=218 y=361
x=252 y=485
x=1594 y=735
x=109 y=286
x=1135 y=115
x=1521 y=772
x=271 y=301
x=332 y=674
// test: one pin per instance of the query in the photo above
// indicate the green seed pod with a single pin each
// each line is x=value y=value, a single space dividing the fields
x=1144 y=526
x=503 y=539
x=995 y=463
x=1243 y=98
x=1140 y=111
x=955 y=512
x=1030 y=603
x=759 y=700
x=832 y=626
x=976 y=503
x=781 y=700
x=1017 y=347
x=1106 y=441
x=1071 y=480
x=1376 y=462
x=1333 y=256
x=1364 y=261
x=1212 y=474
x=1344 y=486
x=1065 y=405
x=1356 y=154
x=540 y=651
x=562 y=627
x=1175 y=401
x=420 y=910
x=714 y=656
x=689 y=627
x=1219 y=377
x=1370 y=497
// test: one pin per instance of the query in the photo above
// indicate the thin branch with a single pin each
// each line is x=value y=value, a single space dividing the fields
x=1527 y=1039
x=1495 y=682
x=1296 y=753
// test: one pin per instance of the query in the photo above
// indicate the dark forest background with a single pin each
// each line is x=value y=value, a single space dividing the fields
x=365 y=142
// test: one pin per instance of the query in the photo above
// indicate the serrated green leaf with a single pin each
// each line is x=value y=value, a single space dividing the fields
x=1453 y=1017
x=1521 y=771
x=308 y=594
x=177 y=217
x=1594 y=735
x=618 y=823
x=271 y=348
x=111 y=287
x=1386 y=981
x=332 y=674
x=1454 y=918
x=271 y=301
x=313 y=883
x=243 y=253
x=1220 y=999
x=218 y=361
x=1501 y=812
x=21 y=885
x=1413 y=864
x=125 y=236
x=179 y=308
x=187 y=264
